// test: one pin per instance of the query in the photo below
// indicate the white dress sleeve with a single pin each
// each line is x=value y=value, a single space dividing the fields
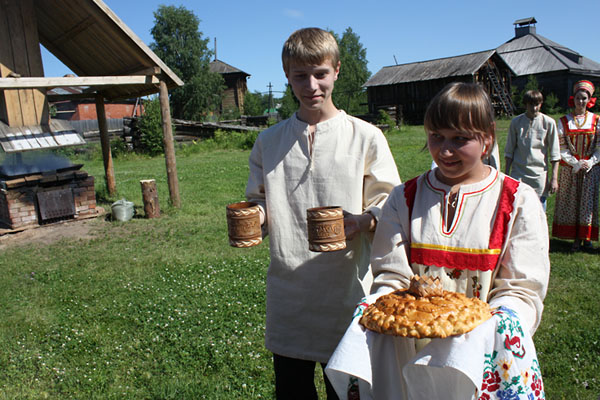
x=524 y=270
x=391 y=244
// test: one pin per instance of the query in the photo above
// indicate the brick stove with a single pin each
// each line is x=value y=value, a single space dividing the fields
x=46 y=197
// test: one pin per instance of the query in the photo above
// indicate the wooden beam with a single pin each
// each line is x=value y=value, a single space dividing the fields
x=34 y=56
x=168 y=144
x=96 y=81
x=105 y=143
x=73 y=96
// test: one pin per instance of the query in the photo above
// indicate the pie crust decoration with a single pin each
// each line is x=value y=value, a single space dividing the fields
x=425 y=310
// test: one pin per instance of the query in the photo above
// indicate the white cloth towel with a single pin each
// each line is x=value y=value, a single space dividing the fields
x=497 y=358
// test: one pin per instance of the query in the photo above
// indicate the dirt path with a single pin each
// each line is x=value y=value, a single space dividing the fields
x=48 y=234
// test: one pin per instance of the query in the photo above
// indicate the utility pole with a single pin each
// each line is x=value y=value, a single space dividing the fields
x=270 y=97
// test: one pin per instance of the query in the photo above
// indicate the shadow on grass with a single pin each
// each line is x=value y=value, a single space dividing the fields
x=564 y=247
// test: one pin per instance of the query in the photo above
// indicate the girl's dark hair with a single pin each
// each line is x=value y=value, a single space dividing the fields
x=464 y=107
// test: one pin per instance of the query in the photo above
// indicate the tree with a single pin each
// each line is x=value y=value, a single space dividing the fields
x=255 y=103
x=289 y=103
x=179 y=43
x=517 y=96
x=348 y=93
x=149 y=137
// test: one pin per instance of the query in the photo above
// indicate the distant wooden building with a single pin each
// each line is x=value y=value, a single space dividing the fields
x=407 y=89
x=555 y=67
x=236 y=86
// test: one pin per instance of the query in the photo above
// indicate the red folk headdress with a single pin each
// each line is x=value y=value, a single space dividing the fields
x=589 y=88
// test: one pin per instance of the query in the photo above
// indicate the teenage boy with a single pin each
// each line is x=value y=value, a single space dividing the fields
x=531 y=145
x=319 y=157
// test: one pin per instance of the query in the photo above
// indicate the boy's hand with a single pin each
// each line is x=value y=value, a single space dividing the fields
x=354 y=224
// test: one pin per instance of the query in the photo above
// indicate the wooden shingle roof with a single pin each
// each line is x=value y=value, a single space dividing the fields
x=535 y=54
x=90 y=39
x=439 y=68
x=221 y=67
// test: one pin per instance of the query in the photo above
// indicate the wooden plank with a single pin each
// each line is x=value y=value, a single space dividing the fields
x=74 y=96
x=15 y=183
x=34 y=55
x=95 y=81
x=16 y=30
x=49 y=27
x=142 y=46
x=11 y=112
x=29 y=136
x=44 y=138
x=17 y=141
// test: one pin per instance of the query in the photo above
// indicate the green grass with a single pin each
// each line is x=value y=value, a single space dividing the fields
x=165 y=309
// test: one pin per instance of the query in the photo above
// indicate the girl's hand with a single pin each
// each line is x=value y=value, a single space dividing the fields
x=586 y=165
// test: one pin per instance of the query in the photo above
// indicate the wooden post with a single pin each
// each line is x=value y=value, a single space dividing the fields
x=168 y=144
x=109 y=173
x=150 y=198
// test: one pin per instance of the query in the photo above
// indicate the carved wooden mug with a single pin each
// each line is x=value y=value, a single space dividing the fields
x=325 y=229
x=243 y=224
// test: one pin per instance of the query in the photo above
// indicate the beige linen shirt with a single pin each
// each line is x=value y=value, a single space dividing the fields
x=311 y=296
x=533 y=146
x=518 y=279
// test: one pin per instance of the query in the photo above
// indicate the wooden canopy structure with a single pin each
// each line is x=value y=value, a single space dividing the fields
x=408 y=88
x=108 y=58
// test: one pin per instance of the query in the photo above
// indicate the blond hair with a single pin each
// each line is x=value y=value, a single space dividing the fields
x=463 y=107
x=310 y=46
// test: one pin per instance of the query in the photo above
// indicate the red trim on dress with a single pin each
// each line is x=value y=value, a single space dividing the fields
x=453 y=259
x=467 y=260
x=505 y=208
x=448 y=230
x=586 y=232
x=410 y=192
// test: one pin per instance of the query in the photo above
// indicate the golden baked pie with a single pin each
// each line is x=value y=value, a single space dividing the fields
x=425 y=310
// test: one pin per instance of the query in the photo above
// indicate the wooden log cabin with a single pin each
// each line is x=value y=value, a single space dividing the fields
x=406 y=89
x=555 y=67
x=235 y=86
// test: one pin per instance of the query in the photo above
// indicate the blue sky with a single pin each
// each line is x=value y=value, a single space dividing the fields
x=250 y=34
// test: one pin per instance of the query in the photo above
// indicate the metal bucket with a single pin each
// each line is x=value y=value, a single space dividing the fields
x=122 y=210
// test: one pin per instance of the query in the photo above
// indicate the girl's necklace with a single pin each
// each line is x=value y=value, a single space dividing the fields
x=452 y=197
x=577 y=124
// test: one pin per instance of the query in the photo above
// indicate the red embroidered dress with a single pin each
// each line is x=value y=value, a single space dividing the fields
x=576 y=207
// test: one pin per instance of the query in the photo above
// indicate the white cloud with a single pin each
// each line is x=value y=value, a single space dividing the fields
x=293 y=13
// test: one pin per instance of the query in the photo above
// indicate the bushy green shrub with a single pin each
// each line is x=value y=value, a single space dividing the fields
x=118 y=147
x=222 y=140
x=550 y=105
x=235 y=140
x=384 y=118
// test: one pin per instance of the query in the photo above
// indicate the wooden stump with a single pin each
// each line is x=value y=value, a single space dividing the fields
x=150 y=198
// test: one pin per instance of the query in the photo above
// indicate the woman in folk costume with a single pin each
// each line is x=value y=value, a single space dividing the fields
x=576 y=208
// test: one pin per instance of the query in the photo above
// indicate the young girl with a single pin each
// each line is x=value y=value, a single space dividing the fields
x=481 y=232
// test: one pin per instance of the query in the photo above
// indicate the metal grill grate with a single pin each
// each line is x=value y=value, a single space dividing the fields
x=56 y=204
